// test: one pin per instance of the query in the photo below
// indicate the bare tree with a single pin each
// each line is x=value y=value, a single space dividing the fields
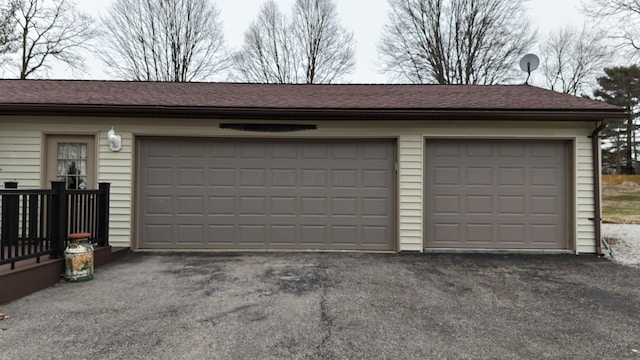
x=571 y=57
x=326 y=47
x=50 y=31
x=8 y=36
x=623 y=18
x=455 y=41
x=163 y=40
x=310 y=48
x=267 y=54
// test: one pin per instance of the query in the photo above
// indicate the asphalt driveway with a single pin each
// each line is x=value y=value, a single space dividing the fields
x=333 y=306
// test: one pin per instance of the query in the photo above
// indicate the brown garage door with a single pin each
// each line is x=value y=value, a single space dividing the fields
x=266 y=194
x=496 y=194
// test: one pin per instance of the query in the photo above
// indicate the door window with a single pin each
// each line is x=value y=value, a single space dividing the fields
x=71 y=159
x=72 y=165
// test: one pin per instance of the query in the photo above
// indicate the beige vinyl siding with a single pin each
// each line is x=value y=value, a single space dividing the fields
x=585 y=231
x=117 y=167
x=410 y=191
x=20 y=153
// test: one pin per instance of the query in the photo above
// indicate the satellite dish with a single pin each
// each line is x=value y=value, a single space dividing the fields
x=529 y=63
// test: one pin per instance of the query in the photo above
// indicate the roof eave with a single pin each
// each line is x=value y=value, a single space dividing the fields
x=314 y=113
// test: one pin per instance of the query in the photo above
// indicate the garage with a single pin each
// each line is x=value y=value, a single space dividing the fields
x=496 y=194
x=232 y=194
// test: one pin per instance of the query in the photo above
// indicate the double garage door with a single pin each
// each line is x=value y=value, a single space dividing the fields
x=341 y=195
x=266 y=194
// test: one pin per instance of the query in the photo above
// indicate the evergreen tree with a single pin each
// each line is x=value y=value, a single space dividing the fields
x=621 y=87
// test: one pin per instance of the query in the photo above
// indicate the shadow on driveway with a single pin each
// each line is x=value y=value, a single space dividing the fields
x=333 y=306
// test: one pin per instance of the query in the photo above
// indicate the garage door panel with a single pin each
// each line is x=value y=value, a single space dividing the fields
x=158 y=205
x=345 y=151
x=478 y=205
x=192 y=152
x=222 y=178
x=190 y=205
x=252 y=235
x=446 y=204
x=313 y=236
x=479 y=176
x=545 y=205
x=512 y=234
x=190 y=177
x=376 y=236
x=283 y=235
x=159 y=233
x=344 y=235
x=449 y=149
x=542 y=177
x=283 y=206
x=314 y=178
x=252 y=178
x=547 y=152
x=223 y=235
x=543 y=234
x=313 y=206
x=510 y=205
x=478 y=233
x=346 y=178
x=222 y=205
x=446 y=176
x=161 y=153
x=284 y=178
x=314 y=151
x=447 y=233
x=374 y=207
x=257 y=194
x=159 y=177
x=345 y=206
x=496 y=194
x=508 y=150
x=284 y=151
x=192 y=233
x=511 y=176
x=252 y=150
x=477 y=150
x=374 y=179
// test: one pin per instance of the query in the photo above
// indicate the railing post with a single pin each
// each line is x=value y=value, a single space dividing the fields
x=59 y=219
x=103 y=213
x=33 y=212
x=10 y=220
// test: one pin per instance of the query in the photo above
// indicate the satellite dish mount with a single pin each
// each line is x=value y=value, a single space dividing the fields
x=528 y=64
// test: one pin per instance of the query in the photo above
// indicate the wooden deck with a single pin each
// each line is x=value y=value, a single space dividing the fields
x=24 y=264
x=30 y=276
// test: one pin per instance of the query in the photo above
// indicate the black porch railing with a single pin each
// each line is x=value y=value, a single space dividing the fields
x=36 y=223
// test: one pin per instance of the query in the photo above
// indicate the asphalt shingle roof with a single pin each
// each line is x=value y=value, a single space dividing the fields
x=111 y=97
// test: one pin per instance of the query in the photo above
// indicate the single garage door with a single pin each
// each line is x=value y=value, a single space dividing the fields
x=496 y=194
x=266 y=194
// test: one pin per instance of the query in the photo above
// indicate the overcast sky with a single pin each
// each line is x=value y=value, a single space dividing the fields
x=365 y=18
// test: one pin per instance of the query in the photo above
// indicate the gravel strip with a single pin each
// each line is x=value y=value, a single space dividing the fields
x=624 y=239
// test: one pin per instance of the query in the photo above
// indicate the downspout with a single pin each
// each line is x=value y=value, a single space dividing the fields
x=597 y=207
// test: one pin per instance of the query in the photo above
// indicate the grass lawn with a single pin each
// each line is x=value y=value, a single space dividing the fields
x=621 y=203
